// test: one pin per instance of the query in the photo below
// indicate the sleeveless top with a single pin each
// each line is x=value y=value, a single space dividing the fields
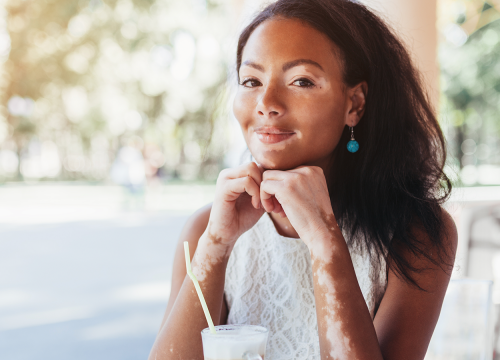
x=269 y=282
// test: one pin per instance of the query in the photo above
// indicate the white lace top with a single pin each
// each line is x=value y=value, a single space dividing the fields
x=269 y=282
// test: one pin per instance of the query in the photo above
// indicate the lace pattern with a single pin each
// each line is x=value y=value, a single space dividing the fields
x=269 y=282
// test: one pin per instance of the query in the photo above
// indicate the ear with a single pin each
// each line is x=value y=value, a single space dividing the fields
x=356 y=100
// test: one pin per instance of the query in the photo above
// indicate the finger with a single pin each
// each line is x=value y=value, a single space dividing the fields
x=308 y=171
x=274 y=175
x=268 y=188
x=268 y=204
x=266 y=200
x=277 y=206
x=305 y=168
x=301 y=167
x=251 y=169
x=282 y=214
x=235 y=187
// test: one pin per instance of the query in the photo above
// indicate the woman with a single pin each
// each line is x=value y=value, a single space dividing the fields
x=354 y=255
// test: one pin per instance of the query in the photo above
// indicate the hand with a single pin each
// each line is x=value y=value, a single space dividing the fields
x=236 y=206
x=302 y=194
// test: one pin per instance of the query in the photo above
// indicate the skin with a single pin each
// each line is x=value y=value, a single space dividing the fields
x=290 y=184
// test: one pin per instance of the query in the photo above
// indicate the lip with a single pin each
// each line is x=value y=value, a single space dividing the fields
x=273 y=130
x=272 y=134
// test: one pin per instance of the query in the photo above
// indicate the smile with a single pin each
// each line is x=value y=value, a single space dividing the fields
x=273 y=135
x=273 y=138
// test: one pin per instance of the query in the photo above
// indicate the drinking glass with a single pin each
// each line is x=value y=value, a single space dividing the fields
x=235 y=342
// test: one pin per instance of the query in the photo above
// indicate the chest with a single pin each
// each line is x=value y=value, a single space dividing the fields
x=269 y=282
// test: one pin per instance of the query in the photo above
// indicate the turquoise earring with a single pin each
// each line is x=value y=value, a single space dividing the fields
x=352 y=145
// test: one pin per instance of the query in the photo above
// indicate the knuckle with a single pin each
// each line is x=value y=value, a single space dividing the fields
x=248 y=180
x=317 y=170
x=256 y=176
x=298 y=181
x=223 y=174
x=220 y=179
x=308 y=170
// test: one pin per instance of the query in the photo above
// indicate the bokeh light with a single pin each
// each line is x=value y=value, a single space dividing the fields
x=470 y=83
x=85 y=81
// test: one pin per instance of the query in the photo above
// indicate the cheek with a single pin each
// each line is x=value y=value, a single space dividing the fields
x=323 y=125
x=242 y=109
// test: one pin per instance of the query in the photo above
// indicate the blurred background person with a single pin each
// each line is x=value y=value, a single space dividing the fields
x=129 y=170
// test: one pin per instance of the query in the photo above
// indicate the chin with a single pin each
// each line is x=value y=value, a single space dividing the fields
x=276 y=163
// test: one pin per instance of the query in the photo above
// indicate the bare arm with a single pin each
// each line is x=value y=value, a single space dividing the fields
x=192 y=231
x=345 y=326
x=407 y=315
x=211 y=233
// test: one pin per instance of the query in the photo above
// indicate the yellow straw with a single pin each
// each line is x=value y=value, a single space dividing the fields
x=198 y=289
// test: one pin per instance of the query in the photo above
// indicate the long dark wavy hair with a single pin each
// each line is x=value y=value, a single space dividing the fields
x=395 y=182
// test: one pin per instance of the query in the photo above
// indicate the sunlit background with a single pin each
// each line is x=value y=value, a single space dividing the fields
x=470 y=84
x=115 y=121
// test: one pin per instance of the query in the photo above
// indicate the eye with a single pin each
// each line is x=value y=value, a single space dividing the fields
x=303 y=82
x=252 y=82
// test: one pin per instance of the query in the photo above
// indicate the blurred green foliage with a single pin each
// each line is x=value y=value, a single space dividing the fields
x=470 y=85
x=85 y=78
x=81 y=80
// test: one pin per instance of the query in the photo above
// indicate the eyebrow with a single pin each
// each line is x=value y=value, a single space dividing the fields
x=287 y=66
x=253 y=65
x=298 y=62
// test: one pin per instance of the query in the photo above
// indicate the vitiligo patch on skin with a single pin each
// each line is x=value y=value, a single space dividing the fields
x=211 y=253
x=259 y=149
x=318 y=249
x=335 y=344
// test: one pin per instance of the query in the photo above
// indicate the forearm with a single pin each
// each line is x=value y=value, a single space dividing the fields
x=180 y=336
x=345 y=326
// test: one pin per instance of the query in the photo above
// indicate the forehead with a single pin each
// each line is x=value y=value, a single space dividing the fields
x=280 y=40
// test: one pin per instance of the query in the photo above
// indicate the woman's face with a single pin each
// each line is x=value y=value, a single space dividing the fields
x=292 y=104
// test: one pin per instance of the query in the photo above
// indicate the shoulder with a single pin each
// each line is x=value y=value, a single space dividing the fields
x=448 y=243
x=195 y=225
x=407 y=314
x=450 y=230
x=193 y=229
x=423 y=254
x=191 y=232
x=200 y=217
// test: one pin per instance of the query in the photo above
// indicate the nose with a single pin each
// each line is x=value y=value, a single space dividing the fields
x=270 y=104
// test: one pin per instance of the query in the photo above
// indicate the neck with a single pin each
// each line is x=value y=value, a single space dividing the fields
x=283 y=226
x=324 y=163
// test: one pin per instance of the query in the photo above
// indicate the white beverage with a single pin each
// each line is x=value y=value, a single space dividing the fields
x=235 y=342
